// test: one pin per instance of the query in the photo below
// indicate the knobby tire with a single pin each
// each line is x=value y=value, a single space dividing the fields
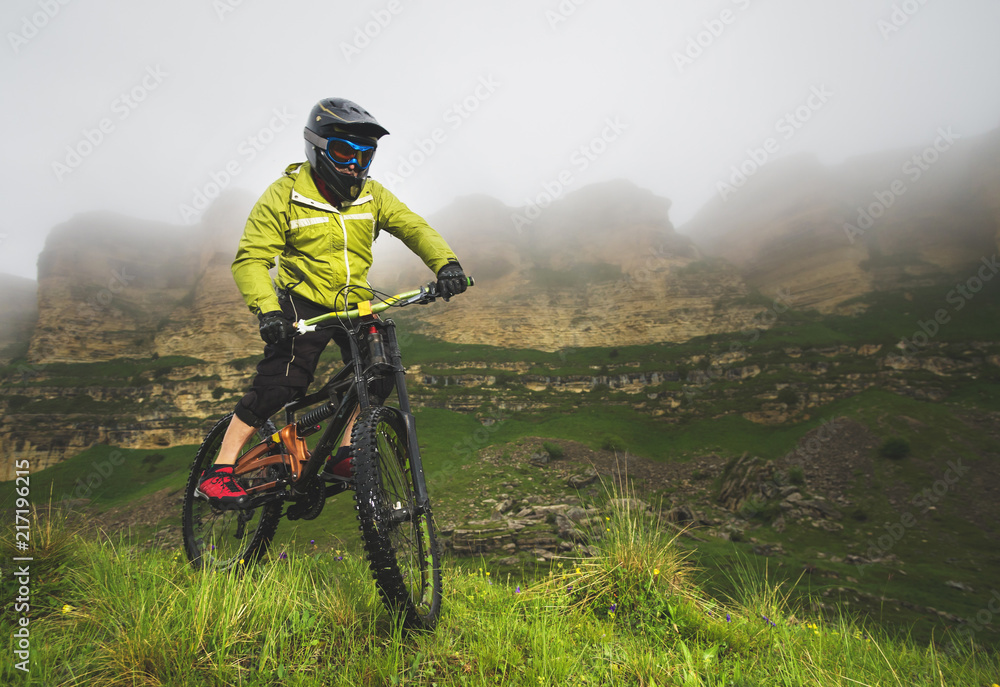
x=399 y=539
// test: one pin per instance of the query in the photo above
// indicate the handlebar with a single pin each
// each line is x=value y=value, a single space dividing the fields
x=423 y=295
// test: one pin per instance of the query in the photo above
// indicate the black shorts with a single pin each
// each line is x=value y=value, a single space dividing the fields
x=289 y=367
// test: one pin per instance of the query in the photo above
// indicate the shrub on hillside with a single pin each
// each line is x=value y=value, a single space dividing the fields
x=796 y=475
x=161 y=372
x=153 y=459
x=506 y=379
x=894 y=448
x=788 y=396
x=757 y=508
x=612 y=442
x=555 y=451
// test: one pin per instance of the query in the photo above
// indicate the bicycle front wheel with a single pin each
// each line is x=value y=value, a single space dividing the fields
x=398 y=534
x=219 y=538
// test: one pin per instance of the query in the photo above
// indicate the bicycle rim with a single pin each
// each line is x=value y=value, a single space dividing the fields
x=225 y=539
x=399 y=539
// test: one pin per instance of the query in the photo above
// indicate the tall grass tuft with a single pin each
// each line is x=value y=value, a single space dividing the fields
x=53 y=546
x=639 y=570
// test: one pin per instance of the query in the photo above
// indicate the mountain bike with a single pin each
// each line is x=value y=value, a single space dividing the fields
x=283 y=472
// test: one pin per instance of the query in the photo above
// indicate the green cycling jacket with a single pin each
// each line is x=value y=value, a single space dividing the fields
x=321 y=247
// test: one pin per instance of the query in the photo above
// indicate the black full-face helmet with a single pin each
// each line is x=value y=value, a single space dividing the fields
x=341 y=137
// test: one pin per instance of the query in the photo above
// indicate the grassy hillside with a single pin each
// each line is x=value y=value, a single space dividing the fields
x=110 y=613
x=483 y=410
x=141 y=491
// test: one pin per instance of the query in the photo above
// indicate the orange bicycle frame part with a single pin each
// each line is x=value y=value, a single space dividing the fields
x=294 y=454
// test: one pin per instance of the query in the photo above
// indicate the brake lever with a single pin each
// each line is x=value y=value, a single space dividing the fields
x=433 y=294
x=430 y=294
x=302 y=328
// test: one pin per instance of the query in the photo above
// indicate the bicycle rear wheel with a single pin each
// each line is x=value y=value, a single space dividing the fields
x=398 y=535
x=218 y=538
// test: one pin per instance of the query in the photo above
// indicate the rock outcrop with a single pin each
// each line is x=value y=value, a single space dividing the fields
x=581 y=273
x=18 y=310
x=114 y=287
x=541 y=531
x=881 y=222
x=44 y=422
x=602 y=265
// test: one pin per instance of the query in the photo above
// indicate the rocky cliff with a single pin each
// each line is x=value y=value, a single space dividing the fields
x=158 y=299
x=601 y=267
x=882 y=222
x=18 y=311
x=44 y=419
x=116 y=287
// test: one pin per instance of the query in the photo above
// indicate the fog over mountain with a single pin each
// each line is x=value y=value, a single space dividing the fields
x=885 y=221
x=150 y=111
x=603 y=264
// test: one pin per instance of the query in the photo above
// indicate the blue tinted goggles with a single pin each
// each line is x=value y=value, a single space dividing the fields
x=343 y=152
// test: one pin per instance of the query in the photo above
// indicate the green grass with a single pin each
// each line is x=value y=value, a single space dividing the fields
x=708 y=421
x=105 y=373
x=450 y=441
x=70 y=405
x=654 y=438
x=889 y=317
x=433 y=354
x=109 y=476
x=106 y=612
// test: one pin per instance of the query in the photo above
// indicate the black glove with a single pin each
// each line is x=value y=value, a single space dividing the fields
x=451 y=280
x=274 y=327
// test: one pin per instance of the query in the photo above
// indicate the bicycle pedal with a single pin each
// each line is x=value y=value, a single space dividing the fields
x=330 y=477
x=215 y=505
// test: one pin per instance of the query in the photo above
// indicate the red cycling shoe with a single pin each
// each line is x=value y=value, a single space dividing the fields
x=340 y=463
x=220 y=488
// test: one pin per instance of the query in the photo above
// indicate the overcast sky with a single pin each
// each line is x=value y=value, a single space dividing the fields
x=507 y=98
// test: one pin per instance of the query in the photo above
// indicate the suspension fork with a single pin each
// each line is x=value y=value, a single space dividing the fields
x=360 y=383
x=416 y=465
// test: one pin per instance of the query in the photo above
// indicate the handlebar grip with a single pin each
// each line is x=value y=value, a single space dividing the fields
x=471 y=281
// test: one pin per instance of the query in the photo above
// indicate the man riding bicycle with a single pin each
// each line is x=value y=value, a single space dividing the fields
x=320 y=218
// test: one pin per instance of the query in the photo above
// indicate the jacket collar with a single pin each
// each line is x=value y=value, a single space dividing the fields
x=305 y=188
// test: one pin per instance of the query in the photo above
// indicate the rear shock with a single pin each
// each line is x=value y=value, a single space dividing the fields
x=309 y=423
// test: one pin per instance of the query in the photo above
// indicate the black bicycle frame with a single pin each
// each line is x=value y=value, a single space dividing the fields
x=347 y=393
